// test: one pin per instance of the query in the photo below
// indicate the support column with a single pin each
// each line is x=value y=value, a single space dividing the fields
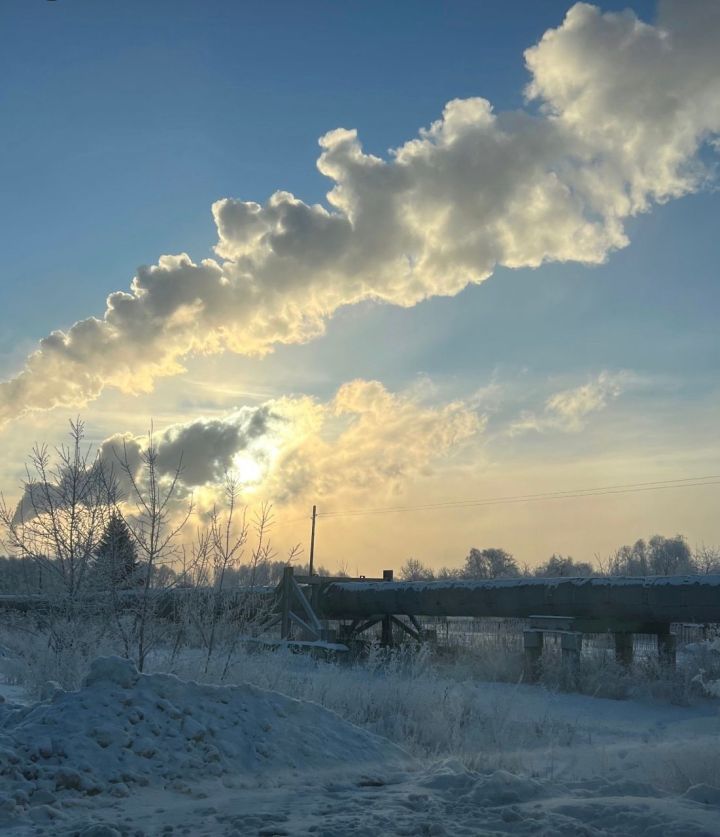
x=571 y=644
x=533 y=648
x=624 y=648
x=287 y=580
x=386 y=635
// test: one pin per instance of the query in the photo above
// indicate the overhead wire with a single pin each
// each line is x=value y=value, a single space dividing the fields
x=621 y=488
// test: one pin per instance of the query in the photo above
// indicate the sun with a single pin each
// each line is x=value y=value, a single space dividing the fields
x=248 y=469
x=251 y=466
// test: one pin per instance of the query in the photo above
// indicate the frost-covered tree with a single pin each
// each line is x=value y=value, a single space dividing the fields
x=669 y=556
x=563 y=566
x=414 y=570
x=658 y=556
x=490 y=563
x=448 y=573
x=62 y=513
x=154 y=514
x=706 y=559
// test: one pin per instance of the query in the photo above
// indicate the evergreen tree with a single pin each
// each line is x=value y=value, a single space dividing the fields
x=116 y=558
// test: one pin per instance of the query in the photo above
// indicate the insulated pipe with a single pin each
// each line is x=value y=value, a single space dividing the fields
x=648 y=599
x=163 y=601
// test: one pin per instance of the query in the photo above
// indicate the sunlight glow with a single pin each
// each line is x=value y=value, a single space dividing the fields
x=251 y=466
x=249 y=470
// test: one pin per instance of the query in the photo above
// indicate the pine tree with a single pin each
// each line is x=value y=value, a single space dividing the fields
x=116 y=557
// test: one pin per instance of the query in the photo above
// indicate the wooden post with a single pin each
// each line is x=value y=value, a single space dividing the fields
x=533 y=648
x=624 y=643
x=312 y=541
x=287 y=581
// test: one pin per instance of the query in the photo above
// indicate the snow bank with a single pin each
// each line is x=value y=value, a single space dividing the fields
x=490 y=584
x=123 y=728
x=133 y=754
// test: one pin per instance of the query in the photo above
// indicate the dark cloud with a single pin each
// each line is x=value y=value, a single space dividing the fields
x=203 y=449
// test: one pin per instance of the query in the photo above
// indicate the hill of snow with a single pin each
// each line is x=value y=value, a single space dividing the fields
x=136 y=755
x=125 y=729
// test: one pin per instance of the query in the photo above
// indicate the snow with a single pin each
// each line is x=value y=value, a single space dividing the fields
x=524 y=581
x=11 y=693
x=308 y=645
x=154 y=754
x=123 y=728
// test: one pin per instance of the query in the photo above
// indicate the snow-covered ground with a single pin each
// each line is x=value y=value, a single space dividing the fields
x=154 y=754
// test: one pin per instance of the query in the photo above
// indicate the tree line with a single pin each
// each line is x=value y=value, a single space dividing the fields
x=658 y=555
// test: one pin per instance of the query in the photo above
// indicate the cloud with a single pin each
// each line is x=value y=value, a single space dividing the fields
x=365 y=439
x=362 y=439
x=618 y=112
x=203 y=450
x=568 y=410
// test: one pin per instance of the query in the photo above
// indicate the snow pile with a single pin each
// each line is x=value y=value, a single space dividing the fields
x=132 y=754
x=123 y=728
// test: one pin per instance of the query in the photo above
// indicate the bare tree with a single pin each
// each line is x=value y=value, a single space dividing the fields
x=414 y=570
x=449 y=573
x=56 y=528
x=707 y=559
x=252 y=603
x=62 y=514
x=657 y=556
x=490 y=563
x=227 y=544
x=561 y=566
x=155 y=516
x=193 y=579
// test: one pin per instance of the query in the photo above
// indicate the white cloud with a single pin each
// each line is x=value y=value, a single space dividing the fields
x=623 y=109
x=569 y=409
x=365 y=439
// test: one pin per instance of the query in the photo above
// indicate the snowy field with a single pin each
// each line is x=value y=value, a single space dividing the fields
x=412 y=746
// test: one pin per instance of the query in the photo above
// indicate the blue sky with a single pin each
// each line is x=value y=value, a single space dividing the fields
x=123 y=123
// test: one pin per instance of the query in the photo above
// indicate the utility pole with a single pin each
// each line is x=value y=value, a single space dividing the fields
x=312 y=539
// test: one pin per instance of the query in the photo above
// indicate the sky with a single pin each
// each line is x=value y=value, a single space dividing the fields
x=371 y=256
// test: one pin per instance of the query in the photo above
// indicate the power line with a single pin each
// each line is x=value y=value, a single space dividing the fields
x=281 y=523
x=622 y=488
x=519 y=499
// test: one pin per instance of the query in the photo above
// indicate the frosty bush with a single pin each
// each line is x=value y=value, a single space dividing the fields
x=33 y=660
